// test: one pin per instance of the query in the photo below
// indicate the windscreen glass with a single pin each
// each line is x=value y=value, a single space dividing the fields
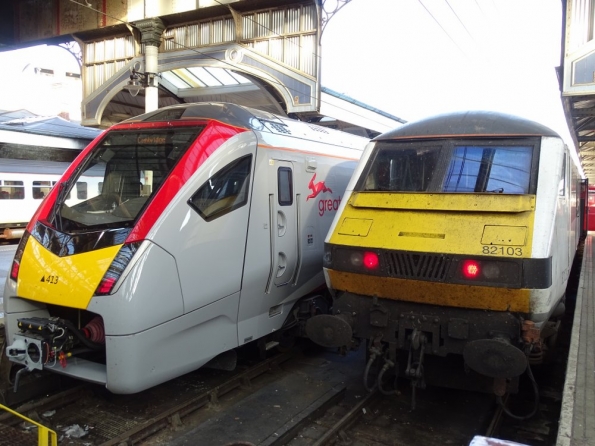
x=400 y=169
x=449 y=166
x=489 y=169
x=120 y=176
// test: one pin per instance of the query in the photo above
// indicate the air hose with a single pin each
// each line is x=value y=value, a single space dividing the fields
x=536 y=404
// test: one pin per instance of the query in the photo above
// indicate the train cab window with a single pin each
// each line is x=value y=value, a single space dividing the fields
x=451 y=166
x=12 y=190
x=99 y=187
x=402 y=169
x=285 y=186
x=120 y=162
x=225 y=191
x=498 y=169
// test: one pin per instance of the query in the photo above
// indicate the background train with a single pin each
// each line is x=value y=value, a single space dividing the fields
x=34 y=153
x=451 y=251
x=24 y=184
x=207 y=234
x=591 y=207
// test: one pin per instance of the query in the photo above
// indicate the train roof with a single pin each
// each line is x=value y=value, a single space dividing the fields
x=245 y=117
x=468 y=123
x=26 y=122
x=33 y=166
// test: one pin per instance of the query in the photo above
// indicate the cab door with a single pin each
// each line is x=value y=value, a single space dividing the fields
x=283 y=224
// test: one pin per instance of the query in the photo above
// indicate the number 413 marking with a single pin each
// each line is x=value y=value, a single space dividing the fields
x=49 y=279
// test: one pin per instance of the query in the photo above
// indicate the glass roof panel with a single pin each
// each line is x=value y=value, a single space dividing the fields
x=222 y=76
x=238 y=77
x=174 y=80
x=187 y=76
x=205 y=77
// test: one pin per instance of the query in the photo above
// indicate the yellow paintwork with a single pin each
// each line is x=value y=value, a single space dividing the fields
x=355 y=226
x=439 y=223
x=504 y=235
x=69 y=281
x=432 y=293
x=444 y=202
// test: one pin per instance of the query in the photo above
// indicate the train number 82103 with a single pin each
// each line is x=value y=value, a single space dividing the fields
x=502 y=251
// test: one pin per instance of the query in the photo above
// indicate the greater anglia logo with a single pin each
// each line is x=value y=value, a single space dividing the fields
x=317 y=188
x=328 y=205
x=323 y=205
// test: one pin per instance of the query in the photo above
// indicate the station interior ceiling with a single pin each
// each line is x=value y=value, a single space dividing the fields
x=196 y=84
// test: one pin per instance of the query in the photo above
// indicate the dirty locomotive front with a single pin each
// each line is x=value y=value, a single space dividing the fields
x=451 y=251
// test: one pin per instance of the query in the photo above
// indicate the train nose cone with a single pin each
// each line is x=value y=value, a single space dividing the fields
x=329 y=331
x=495 y=358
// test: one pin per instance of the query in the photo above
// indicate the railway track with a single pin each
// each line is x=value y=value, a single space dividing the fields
x=293 y=399
x=443 y=417
x=89 y=415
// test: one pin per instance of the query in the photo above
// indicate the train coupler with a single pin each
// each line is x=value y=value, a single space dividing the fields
x=415 y=362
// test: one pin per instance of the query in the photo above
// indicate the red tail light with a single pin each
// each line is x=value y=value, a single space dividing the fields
x=371 y=260
x=16 y=262
x=471 y=269
x=116 y=269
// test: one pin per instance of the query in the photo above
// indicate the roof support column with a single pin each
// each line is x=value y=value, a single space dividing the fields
x=151 y=31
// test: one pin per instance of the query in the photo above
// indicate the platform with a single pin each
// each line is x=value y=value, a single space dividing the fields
x=577 y=418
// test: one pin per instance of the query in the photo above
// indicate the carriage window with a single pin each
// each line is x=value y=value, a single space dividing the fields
x=12 y=190
x=81 y=190
x=495 y=169
x=285 y=186
x=225 y=191
x=41 y=189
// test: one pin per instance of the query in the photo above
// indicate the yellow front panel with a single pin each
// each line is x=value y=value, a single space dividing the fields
x=68 y=281
x=447 y=224
x=444 y=202
x=504 y=235
x=355 y=226
x=432 y=293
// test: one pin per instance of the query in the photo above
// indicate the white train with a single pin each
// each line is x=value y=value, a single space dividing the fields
x=208 y=234
x=24 y=184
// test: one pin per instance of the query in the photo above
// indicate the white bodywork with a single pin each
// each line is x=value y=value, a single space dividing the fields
x=197 y=288
x=556 y=231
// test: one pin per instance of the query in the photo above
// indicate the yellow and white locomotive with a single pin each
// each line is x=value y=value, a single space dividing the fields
x=455 y=239
x=208 y=230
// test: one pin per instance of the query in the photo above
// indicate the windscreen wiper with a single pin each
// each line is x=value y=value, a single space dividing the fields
x=56 y=215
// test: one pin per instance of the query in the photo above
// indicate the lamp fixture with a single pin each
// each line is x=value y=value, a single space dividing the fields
x=139 y=80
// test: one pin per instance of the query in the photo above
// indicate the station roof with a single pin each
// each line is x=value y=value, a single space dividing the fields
x=210 y=84
x=580 y=114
